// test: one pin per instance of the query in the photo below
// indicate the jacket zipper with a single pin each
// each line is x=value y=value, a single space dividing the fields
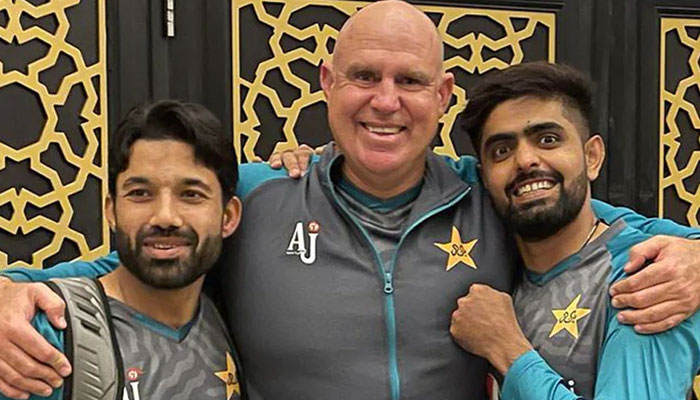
x=388 y=279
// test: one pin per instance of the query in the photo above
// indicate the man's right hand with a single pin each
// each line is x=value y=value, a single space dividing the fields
x=296 y=161
x=28 y=363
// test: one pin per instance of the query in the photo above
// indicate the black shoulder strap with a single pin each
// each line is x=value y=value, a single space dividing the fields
x=90 y=345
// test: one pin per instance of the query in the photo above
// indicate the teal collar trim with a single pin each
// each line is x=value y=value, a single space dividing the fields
x=575 y=259
x=177 y=335
x=542 y=279
x=376 y=204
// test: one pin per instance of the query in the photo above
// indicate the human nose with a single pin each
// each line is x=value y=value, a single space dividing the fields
x=386 y=99
x=165 y=213
x=526 y=156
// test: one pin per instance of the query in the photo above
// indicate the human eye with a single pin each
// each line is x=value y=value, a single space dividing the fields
x=500 y=152
x=411 y=81
x=363 y=76
x=407 y=80
x=548 y=139
x=138 y=194
x=192 y=195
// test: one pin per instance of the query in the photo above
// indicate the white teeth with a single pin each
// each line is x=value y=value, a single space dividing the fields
x=533 y=186
x=162 y=246
x=384 y=129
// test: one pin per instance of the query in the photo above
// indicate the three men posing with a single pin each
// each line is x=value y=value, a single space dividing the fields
x=368 y=318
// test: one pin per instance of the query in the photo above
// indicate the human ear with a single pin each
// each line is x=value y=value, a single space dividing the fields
x=326 y=78
x=109 y=213
x=594 y=152
x=231 y=217
x=445 y=91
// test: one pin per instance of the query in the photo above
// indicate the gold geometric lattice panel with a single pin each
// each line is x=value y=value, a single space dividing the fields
x=53 y=108
x=679 y=126
x=279 y=45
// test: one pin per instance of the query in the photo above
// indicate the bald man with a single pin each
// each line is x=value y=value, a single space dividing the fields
x=340 y=285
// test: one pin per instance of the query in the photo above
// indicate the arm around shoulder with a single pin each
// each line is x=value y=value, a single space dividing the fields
x=651 y=226
x=90 y=269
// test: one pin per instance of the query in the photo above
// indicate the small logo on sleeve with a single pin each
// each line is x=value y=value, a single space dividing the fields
x=298 y=245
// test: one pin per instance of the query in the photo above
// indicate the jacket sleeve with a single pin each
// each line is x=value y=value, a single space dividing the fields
x=651 y=226
x=660 y=366
x=631 y=367
x=91 y=269
x=531 y=378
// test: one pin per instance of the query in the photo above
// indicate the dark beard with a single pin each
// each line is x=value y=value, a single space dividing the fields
x=167 y=274
x=535 y=221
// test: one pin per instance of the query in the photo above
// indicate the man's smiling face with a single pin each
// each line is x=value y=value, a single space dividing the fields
x=167 y=214
x=534 y=165
x=386 y=90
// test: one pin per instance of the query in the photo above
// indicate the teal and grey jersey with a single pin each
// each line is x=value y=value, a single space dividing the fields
x=193 y=362
x=567 y=316
x=158 y=362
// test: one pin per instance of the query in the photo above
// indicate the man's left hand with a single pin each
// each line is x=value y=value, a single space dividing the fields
x=665 y=292
x=484 y=324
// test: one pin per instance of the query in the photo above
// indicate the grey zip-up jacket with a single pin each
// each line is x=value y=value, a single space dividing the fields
x=316 y=315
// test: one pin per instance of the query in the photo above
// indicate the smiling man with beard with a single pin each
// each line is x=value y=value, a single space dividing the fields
x=146 y=327
x=560 y=337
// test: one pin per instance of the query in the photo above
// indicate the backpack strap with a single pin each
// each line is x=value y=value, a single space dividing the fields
x=90 y=343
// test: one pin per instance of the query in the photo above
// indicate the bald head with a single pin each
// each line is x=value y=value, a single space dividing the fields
x=394 y=19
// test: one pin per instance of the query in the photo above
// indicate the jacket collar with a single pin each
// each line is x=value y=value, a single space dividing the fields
x=441 y=183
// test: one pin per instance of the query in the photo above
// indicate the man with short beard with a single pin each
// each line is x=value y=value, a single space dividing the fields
x=530 y=125
x=172 y=176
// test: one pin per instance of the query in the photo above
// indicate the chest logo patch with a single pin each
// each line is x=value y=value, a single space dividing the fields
x=298 y=244
x=230 y=378
x=567 y=318
x=457 y=251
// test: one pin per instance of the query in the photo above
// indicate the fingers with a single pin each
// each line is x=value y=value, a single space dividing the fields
x=654 y=313
x=8 y=375
x=52 y=304
x=32 y=351
x=295 y=161
x=647 y=250
x=646 y=297
x=291 y=163
x=304 y=154
x=479 y=288
x=27 y=357
x=661 y=326
x=256 y=159
x=275 y=160
x=8 y=391
x=643 y=279
x=13 y=383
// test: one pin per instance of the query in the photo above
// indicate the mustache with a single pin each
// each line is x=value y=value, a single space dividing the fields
x=533 y=174
x=185 y=233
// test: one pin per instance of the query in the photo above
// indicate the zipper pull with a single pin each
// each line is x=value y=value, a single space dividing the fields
x=388 y=283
